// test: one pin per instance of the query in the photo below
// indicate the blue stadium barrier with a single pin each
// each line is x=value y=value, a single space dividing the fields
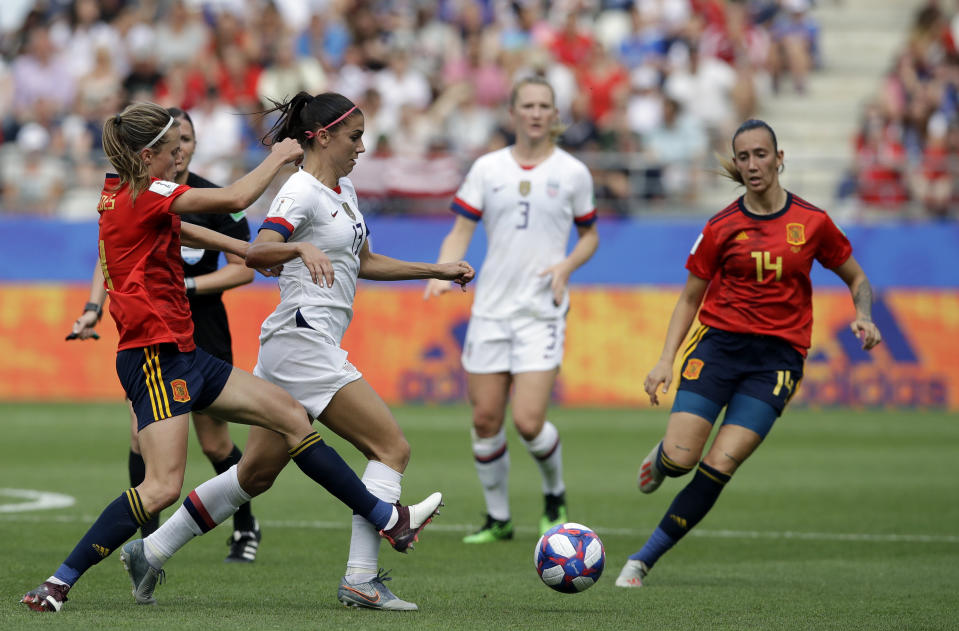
x=632 y=252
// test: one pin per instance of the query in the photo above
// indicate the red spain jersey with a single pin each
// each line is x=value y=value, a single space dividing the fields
x=758 y=268
x=142 y=266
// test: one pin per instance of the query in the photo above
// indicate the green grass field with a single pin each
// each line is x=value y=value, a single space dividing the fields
x=842 y=520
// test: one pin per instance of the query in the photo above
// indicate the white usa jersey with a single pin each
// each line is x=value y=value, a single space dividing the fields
x=305 y=210
x=527 y=214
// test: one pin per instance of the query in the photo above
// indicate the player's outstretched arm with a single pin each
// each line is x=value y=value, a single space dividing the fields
x=194 y=236
x=378 y=267
x=242 y=193
x=679 y=323
x=855 y=278
x=453 y=248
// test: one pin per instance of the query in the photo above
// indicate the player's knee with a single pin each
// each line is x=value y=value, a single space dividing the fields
x=216 y=449
x=528 y=424
x=487 y=422
x=159 y=495
x=255 y=481
x=290 y=417
x=722 y=463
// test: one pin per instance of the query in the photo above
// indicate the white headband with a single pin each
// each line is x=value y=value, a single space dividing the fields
x=160 y=135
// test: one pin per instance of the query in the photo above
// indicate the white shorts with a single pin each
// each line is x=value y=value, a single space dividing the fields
x=306 y=364
x=519 y=344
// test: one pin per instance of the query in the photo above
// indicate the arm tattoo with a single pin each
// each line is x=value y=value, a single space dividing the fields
x=862 y=298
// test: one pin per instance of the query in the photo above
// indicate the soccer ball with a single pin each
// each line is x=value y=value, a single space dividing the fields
x=569 y=558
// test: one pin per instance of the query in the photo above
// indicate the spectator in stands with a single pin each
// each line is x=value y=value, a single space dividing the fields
x=676 y=151
x=795 y=34
x=183 y=35
x=39 y=74
x=880 y=161
x=33 y=180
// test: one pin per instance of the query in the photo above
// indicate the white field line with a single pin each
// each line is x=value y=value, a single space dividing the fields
x=632 y=532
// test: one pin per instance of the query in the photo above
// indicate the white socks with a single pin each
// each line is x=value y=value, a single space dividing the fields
x=548 y=452
x=491 y=458
x=208 y=505
x=363 y=562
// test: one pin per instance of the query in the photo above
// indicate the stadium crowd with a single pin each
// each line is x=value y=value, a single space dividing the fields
x=647 y=88
x=908 y=142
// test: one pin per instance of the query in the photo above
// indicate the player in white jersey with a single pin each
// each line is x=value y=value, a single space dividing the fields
x=528 y=196
x=315 y=230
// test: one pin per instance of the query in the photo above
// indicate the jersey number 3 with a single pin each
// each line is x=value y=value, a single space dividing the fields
x=524 y=211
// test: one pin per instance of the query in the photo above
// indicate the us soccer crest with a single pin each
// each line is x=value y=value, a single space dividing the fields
x=795 y=233
x=349 y=211
x=524 y=187
x=693 y=368
x=552 y=188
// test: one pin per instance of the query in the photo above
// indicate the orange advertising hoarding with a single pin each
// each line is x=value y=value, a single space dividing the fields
x=409 y=348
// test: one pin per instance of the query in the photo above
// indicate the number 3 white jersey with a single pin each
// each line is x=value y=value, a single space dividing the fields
x=306 y=210
x=527 y=214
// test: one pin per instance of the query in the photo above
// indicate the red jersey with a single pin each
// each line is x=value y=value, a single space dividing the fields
x=758 y=268
x=142 y=266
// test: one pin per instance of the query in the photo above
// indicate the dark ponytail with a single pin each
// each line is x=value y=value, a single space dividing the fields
x=304 y=114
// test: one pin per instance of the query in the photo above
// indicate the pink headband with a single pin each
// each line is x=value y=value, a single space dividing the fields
x=312 y=134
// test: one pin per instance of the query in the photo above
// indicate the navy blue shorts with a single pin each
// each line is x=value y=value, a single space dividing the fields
x=163 y=382
x=718 y=365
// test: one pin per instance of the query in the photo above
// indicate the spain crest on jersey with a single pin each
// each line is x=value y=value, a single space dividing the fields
x=795 y=233
x=524 y=187
x=693 y=368
x=180 y=392
x=349 y=211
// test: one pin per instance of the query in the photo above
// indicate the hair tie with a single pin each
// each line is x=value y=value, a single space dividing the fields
x=119 y=120
x=169 y=124
x=310 y=135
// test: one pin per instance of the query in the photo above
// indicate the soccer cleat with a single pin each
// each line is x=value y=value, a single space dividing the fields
x=492 y=530
x=373 y=594
x=47 y=597
x=411 y=520
x=632 y=574
x=554 y=513
x=650 y=475
x=143 y=575
x=244 y=545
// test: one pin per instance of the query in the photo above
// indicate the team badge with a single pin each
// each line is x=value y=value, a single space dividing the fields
x=524 y=187
x=349 y=211
x=552 y=188
x=180 y=392
x=795 y=233
x=693 y=368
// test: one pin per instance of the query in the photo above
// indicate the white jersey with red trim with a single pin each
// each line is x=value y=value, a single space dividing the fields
x=527 y=214
x=306 y=210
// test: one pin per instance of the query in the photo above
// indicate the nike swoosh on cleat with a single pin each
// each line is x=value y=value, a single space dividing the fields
x=364 y=596
x=334 y=214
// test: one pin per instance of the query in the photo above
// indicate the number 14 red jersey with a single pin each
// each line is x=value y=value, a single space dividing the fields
x=142 y=266
x=758 y=268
